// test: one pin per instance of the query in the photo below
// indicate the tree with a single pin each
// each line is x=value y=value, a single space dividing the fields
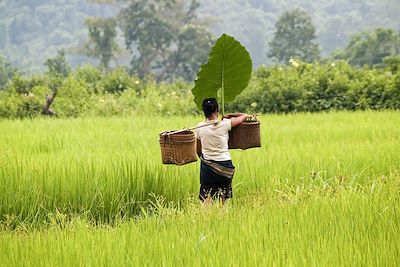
x=58 y=65
x=294 y=37
x=370 y=48
x=7 y=72
x=58 y=69
x=102 y=45
x=193 y=44
x=392 y=63
x=165 y=38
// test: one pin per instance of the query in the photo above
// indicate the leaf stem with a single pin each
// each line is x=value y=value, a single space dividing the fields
x=223 y=86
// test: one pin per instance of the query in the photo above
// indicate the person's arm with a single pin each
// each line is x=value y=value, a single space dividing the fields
x=198 y=147
x=238 y=118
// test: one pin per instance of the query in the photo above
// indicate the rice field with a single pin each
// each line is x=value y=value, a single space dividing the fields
x=324 y=190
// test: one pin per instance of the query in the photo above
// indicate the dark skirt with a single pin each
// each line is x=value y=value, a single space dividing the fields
x=213 y=185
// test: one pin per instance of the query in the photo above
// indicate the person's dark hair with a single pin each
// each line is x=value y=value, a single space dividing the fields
x=210 y=105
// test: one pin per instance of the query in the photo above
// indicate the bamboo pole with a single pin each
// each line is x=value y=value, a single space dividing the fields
x=190 y=129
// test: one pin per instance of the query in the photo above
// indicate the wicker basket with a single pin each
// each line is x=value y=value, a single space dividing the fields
x=245 y=135
x=178 y=148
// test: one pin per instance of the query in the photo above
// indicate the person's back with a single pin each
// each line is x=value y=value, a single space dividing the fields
x=214 y=140
x=216 y=170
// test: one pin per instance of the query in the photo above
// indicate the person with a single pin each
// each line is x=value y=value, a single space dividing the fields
x=216 y=168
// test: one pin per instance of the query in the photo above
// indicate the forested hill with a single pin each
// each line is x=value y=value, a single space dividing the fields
x=33 y=30
x=253 y=21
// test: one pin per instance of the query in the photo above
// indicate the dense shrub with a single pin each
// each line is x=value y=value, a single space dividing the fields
x=319 y=87
x=119 y=81
x=300 y=87
x=25 y=85
x=92 y=76
x=9 y=104
x=73 y=98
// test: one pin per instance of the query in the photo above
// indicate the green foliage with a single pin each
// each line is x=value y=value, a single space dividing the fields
x=102 y=44
x=304 y=87
x=393 y=63
x=165 y=38
x=227 y=71
x=7 y=72
x=27 y=27
x=32 y=103
x=251 y=21
x=119 y=81
x=184 y=62
x=72 y=99
x=166 y=99
x=36 y=30
x=24 y=85
x=92 y=77
x=371 y=48
x=300 y=87
x=26 y=105
x=294 y=37
x=9 y=104
x=58 y=65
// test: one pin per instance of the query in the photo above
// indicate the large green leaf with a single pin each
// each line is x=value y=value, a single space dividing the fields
x=228 y=69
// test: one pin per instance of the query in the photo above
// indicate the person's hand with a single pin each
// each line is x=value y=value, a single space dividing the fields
x=228 y=116
x=238 y=119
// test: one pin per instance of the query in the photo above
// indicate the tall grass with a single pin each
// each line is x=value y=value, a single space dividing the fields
x=305 y=227
x=106 y=169
x=324 y=190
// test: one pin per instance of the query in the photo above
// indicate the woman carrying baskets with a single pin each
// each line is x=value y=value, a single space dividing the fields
x=216 y=169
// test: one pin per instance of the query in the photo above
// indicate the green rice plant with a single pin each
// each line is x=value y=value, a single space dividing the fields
x=301 y=227
x=107 y=169
x=323 y=190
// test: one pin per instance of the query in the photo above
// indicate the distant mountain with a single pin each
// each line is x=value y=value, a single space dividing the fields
x=33 y=30
x=253 y=21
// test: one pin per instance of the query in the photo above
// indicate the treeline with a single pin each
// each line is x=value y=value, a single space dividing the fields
x=32 y=30
x=298 y=87
x=252 y=21
x=170 y=40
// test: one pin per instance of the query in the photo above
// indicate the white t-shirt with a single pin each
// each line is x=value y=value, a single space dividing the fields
x=214 y=140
